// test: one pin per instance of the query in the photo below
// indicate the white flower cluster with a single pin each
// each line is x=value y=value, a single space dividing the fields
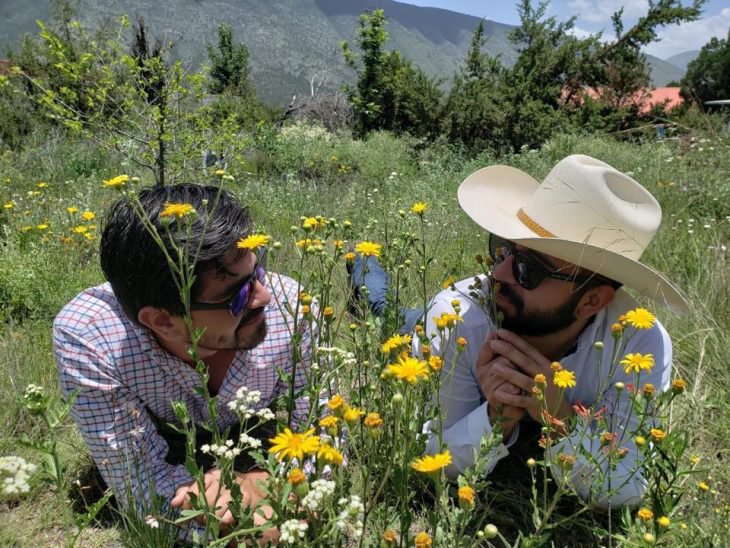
x=339 y=356
x=152 y=522
x=14 y=475
x=226 y=451
x=34 y=398
x=292 y=531
x=304 y=131
x=319 y=491
x=245 y=402
x=250 y=441
x=349 y=517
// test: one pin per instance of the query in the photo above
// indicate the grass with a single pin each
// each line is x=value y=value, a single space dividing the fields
x=39 y=273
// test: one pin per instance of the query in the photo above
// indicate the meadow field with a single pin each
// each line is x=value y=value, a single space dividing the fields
x=52 y=206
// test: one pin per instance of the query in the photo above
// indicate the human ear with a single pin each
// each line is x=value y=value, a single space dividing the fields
x=161 y=322
x=594 y=300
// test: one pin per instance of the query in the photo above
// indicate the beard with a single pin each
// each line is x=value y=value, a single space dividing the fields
x=537 y=323
x=257 y=336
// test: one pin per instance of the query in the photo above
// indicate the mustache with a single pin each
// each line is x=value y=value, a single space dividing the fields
x=506 y=291
x=251 y=314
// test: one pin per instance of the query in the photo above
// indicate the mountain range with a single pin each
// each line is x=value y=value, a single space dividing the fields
x=294 y=44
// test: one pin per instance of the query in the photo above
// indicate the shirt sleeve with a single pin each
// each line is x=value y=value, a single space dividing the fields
x=463 y=408
x=118 y=430
x=592 y=477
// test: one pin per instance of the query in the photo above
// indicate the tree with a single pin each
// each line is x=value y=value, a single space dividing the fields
x=229 y=70
x=708 y=76
x=391 y=93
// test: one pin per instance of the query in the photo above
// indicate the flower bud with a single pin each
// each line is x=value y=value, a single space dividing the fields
x=397 y=399
x=490 y=531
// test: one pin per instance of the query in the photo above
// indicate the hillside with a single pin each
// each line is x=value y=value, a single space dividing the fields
x=289 y=40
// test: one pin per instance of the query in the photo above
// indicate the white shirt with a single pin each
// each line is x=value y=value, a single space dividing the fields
x=464 y=408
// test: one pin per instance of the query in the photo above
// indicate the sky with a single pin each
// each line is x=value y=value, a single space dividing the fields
x=595 y=15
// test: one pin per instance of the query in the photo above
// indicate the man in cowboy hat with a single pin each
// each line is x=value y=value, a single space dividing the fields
x=563 y=251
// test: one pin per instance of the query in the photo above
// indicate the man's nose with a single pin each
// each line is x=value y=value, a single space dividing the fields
x=502 y=272
x=261 y=296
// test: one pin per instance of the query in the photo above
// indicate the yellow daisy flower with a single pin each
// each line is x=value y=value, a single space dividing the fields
x=254 y=241
x=116 y=182
x=419 y=208
x=432 y=463
x=423 y=540
x=329 y=421
x=366 y=249
x=373 y=420
x=329 y=454
x=71 y=210
x=395 y=342
x=640 y=318
x=88 y=216
x=296 y=476
x=409 y=369
x=657 y=435
x=448 y=282
x=645 y=514
x=466 y=495
x=637 y=362
x=564 y=379
x=291 y=445
x=352 y=415
x=176 y=210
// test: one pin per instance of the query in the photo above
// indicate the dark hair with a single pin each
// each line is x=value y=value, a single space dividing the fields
x=136 y=266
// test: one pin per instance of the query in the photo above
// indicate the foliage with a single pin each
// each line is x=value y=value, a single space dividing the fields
x=708 y=76
x=229 y=71
x=391 y=93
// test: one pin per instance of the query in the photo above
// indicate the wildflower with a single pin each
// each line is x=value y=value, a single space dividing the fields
x=352 y=415
x=320 y=491
x=637 y=362
x=649 y=538
x=703 y=486
x=409 y=369
x=607 y=438
x=664 y=522
x=645 y=514
x=678 y=386
x=177 y=210
x=337 y=404
x=14 y=475
x=461 y=342
x=447 y=320
x=373 y=420
x=396 y=342
x=152 y=522
x=296 y=476
x=640 y=441
x=71 y=210
x=432 y=463
x=423 y=540
x=42 y=185
x=419 y=208
x=293 y=530
x=540 y=380
x=35 y=399
x=657 y=435
x=253 y=242
x=220 y=172
x=349 y=257
x=9 y=205
x=466 y=495
x=42 y=226
x=328 y=312
x=288 y=444
x=330 y=423
x=390 y=537
x=349 y=517
x=329 y=454
x=306 y=310
x=81 y=229
x=648 y=391
x=435 y=363
x=564 y=379
x=490 y=531
x=694 y=459
x=116 y=182
x=566 y=461
x=555 y=367
x=448 y=282
x=366 y=249
x=617 y=329
x=640 y=318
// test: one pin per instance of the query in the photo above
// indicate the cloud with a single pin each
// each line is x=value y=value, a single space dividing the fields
x=690 y=36
x=600 y=11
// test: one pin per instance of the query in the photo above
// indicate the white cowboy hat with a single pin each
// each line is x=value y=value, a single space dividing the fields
x=584 y=212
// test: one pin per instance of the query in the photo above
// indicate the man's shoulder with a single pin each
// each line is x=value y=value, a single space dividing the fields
x=95 y=309
x=472 y=302
x=656 y=336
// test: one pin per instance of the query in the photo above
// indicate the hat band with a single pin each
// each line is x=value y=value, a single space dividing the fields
x=530 y=223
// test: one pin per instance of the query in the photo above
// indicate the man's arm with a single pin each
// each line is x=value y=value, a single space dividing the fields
x=120 y=434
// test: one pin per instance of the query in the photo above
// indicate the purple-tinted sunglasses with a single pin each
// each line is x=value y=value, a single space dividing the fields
x=242 y=297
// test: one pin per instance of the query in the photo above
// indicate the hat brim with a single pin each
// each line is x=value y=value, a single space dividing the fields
x=492 y=197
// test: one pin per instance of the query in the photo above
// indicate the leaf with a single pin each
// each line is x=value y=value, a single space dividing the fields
x=187 y=515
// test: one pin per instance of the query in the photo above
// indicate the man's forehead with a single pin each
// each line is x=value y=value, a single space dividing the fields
x=232 y=263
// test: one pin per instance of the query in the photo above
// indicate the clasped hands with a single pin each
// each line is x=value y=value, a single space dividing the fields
x=506 y=368
x=220 y=498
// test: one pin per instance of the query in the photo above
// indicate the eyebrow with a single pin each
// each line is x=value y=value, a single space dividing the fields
x=233 y=287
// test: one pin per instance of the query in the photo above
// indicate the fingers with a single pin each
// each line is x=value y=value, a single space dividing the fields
x=520 y=353
x=181 y=498
x=513 y=376
x=513 y=400
x=486 y=354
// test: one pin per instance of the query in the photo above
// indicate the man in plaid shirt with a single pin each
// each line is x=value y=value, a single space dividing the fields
x=125 y=347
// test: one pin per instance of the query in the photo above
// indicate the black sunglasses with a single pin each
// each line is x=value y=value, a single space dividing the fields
x=527 y=269
x=242 y=297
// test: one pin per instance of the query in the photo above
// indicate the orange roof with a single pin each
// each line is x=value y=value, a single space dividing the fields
x=645 y=99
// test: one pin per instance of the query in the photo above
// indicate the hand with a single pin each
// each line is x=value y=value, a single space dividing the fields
x=523 y=363
x=220 y=497
x=491 y=384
